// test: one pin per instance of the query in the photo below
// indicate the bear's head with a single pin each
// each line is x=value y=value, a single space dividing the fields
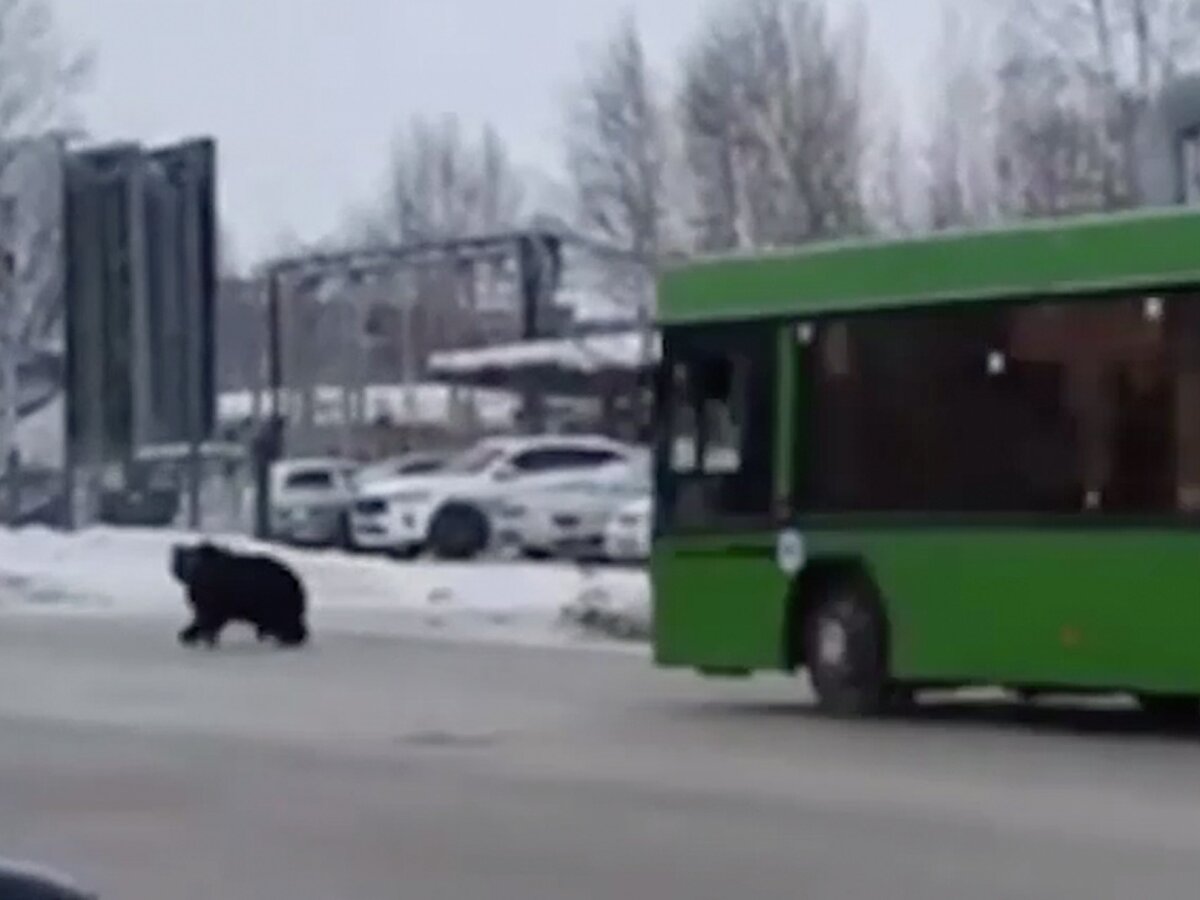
x=188 y=560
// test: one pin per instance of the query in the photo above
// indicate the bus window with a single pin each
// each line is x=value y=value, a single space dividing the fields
x=719 y=422
x=1050 y=407
x=684 y=442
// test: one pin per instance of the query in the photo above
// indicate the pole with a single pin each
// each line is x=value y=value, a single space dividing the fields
x=11 y=386
x=274 y=345
x=645 y=379
x=268 y=442
x=9 y=350
x=346 y=358
x=192 y=287
x=410 y=294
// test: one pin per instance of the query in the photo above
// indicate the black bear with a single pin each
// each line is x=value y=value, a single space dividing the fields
x=224 y=586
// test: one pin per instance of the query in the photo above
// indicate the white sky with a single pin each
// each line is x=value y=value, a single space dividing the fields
x=303 y=95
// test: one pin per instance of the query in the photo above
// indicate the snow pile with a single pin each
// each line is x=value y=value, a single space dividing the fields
x=615 y=604
x=125 y=572
x=586 y=355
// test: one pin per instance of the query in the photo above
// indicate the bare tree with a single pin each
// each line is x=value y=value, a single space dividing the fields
x=39 y=78
x=617 y=148
x=890 y=181
x=774 y=124
x=442 y=185
x=960 y=188
x=617 y=152
x=1080 y=75
x=714 y=138
x=1051 y=156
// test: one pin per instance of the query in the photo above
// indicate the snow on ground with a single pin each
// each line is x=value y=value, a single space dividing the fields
x=106 y=571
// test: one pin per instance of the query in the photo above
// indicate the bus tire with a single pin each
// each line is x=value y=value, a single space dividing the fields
x=845 y=647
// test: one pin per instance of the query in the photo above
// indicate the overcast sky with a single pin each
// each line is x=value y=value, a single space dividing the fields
x=303 y=95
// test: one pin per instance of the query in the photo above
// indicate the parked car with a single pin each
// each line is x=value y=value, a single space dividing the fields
x=569 y=520
x=628 y=532
x=399 y=466
x=310 y=501
x=449 y=511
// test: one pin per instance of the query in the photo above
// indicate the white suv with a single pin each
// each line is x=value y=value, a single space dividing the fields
x=450 y=511
x=569 y=519
x=309 y=500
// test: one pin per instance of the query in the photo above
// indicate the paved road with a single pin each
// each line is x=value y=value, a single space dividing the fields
x=383 y=769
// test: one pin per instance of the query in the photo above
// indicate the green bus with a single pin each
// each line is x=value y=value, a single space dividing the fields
x=963 y=459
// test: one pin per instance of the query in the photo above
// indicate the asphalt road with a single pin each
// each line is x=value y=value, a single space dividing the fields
x=384 y=769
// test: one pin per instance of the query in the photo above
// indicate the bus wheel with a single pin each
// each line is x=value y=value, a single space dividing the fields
x=845 y=648
x=1170 y=708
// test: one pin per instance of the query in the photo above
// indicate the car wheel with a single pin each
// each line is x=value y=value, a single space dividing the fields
x=459 y=531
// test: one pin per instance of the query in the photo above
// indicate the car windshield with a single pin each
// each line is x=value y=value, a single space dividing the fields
x=473 y=461
x=627 y=487
x=310 y=479
x=419 y=467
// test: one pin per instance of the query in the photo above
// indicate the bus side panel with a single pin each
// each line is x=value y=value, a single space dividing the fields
x=1092 y=608
x=718 y=603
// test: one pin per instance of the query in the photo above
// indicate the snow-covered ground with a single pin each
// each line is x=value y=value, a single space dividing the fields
x=124 y=572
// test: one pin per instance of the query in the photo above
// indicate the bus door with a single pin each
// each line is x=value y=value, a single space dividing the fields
x=718 y=592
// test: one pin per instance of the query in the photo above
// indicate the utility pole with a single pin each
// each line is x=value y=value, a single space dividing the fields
x=192 y=304
x=645 y=378
x=268 y=442
x=8 y=378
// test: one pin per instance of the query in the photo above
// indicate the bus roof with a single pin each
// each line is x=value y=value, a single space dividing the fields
x=1143 y=250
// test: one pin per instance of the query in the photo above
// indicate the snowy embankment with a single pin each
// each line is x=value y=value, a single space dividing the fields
x=119 y=572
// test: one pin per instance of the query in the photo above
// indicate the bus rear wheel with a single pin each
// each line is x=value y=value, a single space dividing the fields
x=845 y=647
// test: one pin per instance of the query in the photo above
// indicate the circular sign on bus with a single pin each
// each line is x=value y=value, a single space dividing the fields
x=789 y=551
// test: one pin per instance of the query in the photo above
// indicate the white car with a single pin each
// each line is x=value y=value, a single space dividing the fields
x=310 y=499
x=628 y=533
x=450 y=511
x=568 y=520
x=402 y=465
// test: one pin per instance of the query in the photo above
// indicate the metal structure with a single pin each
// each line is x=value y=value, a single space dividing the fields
x=140 y=251
x=537 y=256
